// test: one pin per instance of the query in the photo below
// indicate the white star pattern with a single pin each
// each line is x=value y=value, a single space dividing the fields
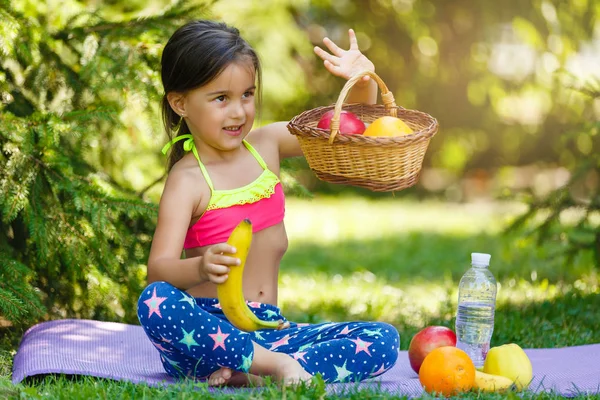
x=205 y=335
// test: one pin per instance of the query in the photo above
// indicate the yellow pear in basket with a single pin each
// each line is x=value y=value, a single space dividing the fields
x=388 y=126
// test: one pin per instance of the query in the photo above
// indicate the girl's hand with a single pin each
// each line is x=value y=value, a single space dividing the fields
x=345 y=63
x=215 y=265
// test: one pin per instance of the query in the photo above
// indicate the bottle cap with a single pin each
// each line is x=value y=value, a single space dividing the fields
x=480 y=259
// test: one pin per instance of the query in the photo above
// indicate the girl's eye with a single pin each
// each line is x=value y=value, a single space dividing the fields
x=220 y=98
x=249 y=94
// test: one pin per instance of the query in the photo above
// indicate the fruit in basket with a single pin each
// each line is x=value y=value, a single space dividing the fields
x=448 y=371
x=388 y=126
x=511 y=361
x=427 y=340
x=350 y=124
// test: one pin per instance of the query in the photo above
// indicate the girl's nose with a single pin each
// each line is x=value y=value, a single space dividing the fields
x=237 y=110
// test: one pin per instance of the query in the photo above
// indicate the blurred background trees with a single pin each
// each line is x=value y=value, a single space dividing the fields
x=76 y=86
x=513 y=85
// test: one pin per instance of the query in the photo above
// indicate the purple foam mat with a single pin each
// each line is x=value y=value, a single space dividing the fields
x=123 y=352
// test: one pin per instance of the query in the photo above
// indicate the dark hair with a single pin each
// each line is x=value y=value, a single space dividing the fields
x=195 y=55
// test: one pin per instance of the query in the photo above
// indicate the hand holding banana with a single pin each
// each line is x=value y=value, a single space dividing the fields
x=229 y=286
x=217 y=261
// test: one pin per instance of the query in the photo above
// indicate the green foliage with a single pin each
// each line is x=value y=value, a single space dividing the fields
x=74 y=235
x=570 y=215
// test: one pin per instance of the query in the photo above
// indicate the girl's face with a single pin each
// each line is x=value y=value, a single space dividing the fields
x=221 y=113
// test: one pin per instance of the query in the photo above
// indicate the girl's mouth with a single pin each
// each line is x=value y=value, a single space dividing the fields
x=235 y=130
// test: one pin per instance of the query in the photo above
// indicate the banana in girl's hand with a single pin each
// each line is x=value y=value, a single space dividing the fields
x=230 y=293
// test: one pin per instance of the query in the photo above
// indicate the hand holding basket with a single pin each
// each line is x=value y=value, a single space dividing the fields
x=381 y=164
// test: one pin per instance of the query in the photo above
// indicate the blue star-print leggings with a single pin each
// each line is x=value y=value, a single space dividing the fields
x=194 y=339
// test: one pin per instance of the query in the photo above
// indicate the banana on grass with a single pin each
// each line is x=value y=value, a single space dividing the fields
x=492 y=383
x=230 y=293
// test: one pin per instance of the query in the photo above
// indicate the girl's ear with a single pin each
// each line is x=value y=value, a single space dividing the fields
x=177 y=102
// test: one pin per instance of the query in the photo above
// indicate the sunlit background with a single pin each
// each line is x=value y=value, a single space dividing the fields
x=498 y=76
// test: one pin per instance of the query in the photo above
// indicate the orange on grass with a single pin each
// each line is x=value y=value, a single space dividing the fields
x=447 y=370
x=388 y=126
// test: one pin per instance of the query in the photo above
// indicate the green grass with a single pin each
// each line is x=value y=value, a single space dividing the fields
x=393 y=261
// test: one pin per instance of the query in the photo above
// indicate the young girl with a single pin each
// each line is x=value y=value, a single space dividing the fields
x=221 y=172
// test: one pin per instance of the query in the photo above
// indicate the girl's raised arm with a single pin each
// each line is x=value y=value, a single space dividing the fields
x=342 y=63
x=347 y=63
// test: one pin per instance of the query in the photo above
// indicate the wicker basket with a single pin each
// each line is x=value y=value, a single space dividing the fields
x=381 y=164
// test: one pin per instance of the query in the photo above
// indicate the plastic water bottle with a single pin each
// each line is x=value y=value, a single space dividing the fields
x=476 y=307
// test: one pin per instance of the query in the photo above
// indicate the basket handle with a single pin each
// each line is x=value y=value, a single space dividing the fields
x=386 y=96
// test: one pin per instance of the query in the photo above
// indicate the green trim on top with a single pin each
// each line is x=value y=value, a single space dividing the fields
x=261 y=187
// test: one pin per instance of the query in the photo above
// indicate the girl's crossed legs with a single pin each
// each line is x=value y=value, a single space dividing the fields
x=195 y=339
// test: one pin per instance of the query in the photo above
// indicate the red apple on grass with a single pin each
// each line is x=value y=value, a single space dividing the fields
x=427 y=340
x=349 y=123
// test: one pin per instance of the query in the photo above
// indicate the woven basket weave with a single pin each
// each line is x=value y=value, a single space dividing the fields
x=381 y=164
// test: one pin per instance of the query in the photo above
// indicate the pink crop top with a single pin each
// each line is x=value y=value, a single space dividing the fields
x=261 y=201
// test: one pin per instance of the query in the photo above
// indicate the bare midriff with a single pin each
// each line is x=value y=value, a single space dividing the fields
x=261 y=270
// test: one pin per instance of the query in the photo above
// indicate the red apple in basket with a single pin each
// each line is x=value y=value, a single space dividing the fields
x=350 y=124
x=427 y=340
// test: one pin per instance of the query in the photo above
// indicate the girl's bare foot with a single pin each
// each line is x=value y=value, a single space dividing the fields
x=289 y=371
x=225 y=376
x=282 y=367
x=220 y=377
